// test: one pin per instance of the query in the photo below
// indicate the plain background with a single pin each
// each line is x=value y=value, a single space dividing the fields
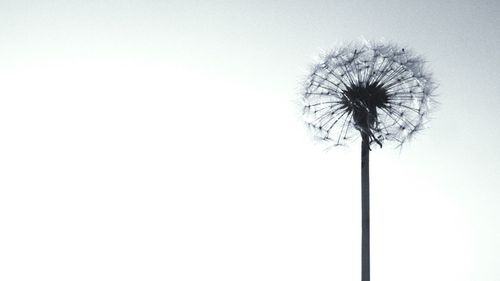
x=162 y=140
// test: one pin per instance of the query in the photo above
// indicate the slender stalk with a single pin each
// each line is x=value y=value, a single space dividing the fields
x=365 y=207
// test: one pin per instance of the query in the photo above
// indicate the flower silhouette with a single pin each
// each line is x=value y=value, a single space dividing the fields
x=378 y=90
x=373 y=88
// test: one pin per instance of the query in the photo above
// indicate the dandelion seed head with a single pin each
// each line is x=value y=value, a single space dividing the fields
x=376 y=89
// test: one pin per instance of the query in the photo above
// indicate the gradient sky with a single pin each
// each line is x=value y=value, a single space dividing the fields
x=162 y=140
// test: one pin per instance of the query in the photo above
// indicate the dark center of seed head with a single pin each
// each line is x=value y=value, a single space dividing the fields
x=363 y=101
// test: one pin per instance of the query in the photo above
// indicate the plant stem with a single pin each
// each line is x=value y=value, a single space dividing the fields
x=365 y=207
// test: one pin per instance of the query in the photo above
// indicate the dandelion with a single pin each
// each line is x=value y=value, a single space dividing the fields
x=375 y=91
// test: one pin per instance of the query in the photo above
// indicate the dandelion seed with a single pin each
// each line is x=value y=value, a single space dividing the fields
x=379 y=92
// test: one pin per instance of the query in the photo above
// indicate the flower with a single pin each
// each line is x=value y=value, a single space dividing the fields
x=376 y=89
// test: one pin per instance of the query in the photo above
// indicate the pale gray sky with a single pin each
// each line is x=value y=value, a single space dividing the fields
x=161 y=140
